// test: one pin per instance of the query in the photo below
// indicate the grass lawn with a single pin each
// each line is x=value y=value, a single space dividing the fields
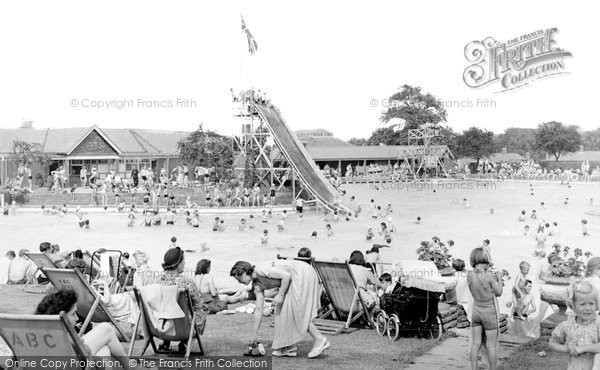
x=526 y=357
x=227 y=335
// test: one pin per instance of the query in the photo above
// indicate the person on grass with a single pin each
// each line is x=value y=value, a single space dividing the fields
x=296 y=302
x=485 y=286
x=101 y=340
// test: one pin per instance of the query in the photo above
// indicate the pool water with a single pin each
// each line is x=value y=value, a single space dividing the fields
x=441 y=212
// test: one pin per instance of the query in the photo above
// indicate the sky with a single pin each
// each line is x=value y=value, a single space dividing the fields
x=323 y=64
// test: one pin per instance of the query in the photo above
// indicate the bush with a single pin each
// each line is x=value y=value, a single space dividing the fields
x=435 y=251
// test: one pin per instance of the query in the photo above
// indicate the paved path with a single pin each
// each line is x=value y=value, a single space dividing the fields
x=453 y=353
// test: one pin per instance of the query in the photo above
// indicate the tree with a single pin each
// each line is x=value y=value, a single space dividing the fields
x=556 y=139
x=208 y=149
x=515 y=139
x=591 y=139
x=413 y=108
x=28 y=153
x=448 y=137
x=475 y=143
x=358 y=141
x=385 y=136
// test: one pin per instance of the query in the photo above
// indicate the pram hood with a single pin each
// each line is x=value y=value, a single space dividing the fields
x=423 y=275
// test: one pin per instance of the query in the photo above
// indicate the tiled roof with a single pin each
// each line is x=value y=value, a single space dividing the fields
x=313 y=131
x=586 y=155
x=62 y=140
x=496 y=158
x=164 y=141
x=324 y=141
x=128 y=141
x=7 y=137
x=352 y=152
x=506 y=157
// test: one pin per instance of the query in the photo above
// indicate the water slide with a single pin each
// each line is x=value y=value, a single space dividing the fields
x=302 y=163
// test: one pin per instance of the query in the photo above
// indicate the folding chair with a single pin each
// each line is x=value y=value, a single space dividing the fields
x=340 y=285
x=41 y=260
x=93 y=263
x=89 y=302
x=185 y=327
x=304 y=259
x=42 y=336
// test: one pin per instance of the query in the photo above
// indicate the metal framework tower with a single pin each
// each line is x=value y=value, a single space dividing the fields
x=258 y=153
x=425 y=151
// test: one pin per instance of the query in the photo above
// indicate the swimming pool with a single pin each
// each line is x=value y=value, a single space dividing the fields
x=441 y=214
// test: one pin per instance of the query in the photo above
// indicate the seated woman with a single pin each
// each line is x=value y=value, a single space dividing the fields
x=173 y=266
x=101 y=340
x=77 y=262
x=121 y=305
x=206 y=285
x=365 y=280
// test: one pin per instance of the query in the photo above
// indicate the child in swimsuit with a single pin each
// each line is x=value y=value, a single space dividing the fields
x=329 y=230
x=170 y=217
x=484 y=286
x=370 y=233
x=251 y=224
x=242 y=225
x=264 y=239
x=263 y=216
x=157 y=219
x=216 y=224
x=147 y=221
x=584 y=228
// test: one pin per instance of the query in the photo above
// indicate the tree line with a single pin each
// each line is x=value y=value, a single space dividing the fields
x=413 y=108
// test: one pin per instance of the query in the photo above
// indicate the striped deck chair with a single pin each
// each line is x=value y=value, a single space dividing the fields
x=42 y=336
x=347 y=304
x=89 y=303
x=186 y=329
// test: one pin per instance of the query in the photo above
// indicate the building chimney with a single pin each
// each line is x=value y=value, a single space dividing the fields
x=27 y=124
x=504 y=151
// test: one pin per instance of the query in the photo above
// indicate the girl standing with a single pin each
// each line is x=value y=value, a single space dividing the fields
x=485 y=287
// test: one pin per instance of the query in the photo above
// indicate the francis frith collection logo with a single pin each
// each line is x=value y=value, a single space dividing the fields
x=516 y=62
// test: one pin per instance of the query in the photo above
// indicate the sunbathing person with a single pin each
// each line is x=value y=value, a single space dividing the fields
x=100 y=341
x=206 y=285
x=121 y=305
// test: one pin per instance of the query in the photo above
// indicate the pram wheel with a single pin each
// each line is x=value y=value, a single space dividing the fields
x=437 y=330
x=393 y=330
x=381 y=323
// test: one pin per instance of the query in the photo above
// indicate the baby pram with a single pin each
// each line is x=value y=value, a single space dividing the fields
x=409 y=312
x=411 y=308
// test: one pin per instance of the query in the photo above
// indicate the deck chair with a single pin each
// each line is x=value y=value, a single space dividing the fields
x=304 y=259
x=93 y=263
x=340 y=285
x=42 y=336
x=41 y=260
x=89 y=303
x=185 y=328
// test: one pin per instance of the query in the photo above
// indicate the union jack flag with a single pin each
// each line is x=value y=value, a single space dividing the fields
x=252 y=44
